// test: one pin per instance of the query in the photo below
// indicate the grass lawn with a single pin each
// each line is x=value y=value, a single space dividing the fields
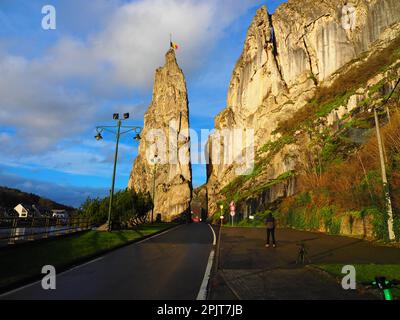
x=368 y=272
x=27 y=260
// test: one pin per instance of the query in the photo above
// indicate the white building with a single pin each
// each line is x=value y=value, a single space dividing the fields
x=22 y=210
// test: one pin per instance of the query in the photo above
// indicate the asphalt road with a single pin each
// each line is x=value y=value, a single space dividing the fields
x=170 y=266
x=248 y=270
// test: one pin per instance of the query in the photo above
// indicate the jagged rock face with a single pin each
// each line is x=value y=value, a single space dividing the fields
x=304 y=44
x=164 y=151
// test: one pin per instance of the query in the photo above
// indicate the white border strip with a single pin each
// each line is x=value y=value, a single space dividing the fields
x=215 y=237
x=202 y=295
x=84 y=264
x=157 y=235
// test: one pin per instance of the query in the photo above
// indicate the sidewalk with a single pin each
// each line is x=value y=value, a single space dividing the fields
x=249 y=271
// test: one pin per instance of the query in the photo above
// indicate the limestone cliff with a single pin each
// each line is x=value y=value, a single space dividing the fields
x=289 y=55
x=164 y=152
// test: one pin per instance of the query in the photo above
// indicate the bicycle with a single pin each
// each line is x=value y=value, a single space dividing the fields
x=302 y=254
x=383 y=285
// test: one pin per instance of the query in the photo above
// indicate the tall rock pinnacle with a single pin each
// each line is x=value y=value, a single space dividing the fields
x=163 y=164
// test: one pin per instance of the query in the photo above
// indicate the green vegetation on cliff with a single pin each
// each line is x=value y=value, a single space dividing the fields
x=339 y=177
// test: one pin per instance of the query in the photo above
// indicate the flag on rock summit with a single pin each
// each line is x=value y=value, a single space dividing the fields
x=174 y=45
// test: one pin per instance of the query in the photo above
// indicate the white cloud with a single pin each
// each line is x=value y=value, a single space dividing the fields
x=61 y=94
x=87 y=158
x=133 y=42
x=125 y=53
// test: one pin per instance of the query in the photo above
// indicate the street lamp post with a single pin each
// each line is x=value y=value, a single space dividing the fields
x=118 y=134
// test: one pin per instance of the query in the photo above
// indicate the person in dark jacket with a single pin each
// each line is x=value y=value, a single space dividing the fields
x=271 y=224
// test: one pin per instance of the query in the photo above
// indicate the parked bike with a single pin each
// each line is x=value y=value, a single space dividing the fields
x=384 y=285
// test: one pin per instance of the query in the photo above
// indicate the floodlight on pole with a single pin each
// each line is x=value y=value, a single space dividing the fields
x=118 y=134
x=98 y=136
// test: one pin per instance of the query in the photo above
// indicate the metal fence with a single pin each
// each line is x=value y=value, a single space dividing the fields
x=13 y=230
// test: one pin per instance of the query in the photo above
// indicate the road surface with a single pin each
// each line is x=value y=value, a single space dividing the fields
x=249 y=270
x=169 y=266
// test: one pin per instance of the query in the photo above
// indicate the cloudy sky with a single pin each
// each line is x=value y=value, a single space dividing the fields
x=57 y=85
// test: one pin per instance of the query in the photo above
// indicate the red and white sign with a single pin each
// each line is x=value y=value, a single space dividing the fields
x=232 y=208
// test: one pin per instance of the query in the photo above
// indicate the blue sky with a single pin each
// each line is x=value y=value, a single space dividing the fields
x=57 y=85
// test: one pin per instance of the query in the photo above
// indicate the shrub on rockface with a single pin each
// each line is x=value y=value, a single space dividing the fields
x=257 y=221
x=354 y=185
x=380 y=223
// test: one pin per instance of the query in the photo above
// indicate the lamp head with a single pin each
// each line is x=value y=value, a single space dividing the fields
x=116 y=116
x=98 y=136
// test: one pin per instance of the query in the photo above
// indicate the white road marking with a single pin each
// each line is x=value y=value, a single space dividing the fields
x=159 y=234
x=82 y=265
x=202 y=295
x=215 y=237
x=19 y=289
x=60 y=274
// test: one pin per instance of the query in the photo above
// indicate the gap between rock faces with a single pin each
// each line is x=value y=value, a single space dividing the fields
x=249 y=271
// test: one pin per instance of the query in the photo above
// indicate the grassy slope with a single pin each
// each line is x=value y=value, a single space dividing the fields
x=27 y=260
x=367 y=272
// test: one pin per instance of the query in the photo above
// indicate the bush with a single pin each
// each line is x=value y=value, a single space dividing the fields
x=129 y=207
x=335 y=226
x=303 y=199
x=379 y=223
x=258 y=221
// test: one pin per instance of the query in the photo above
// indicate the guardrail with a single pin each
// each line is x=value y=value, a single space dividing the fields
x=13 y=230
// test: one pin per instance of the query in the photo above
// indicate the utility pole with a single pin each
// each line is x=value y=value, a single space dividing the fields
x=386 y=190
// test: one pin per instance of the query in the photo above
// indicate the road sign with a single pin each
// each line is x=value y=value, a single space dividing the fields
x=233 y=213
x=232 y=206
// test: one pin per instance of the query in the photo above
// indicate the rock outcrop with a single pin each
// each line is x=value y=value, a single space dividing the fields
x=164 y=152
x=287 y=55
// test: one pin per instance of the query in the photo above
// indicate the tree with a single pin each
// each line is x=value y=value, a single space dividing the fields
x=129 y=208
